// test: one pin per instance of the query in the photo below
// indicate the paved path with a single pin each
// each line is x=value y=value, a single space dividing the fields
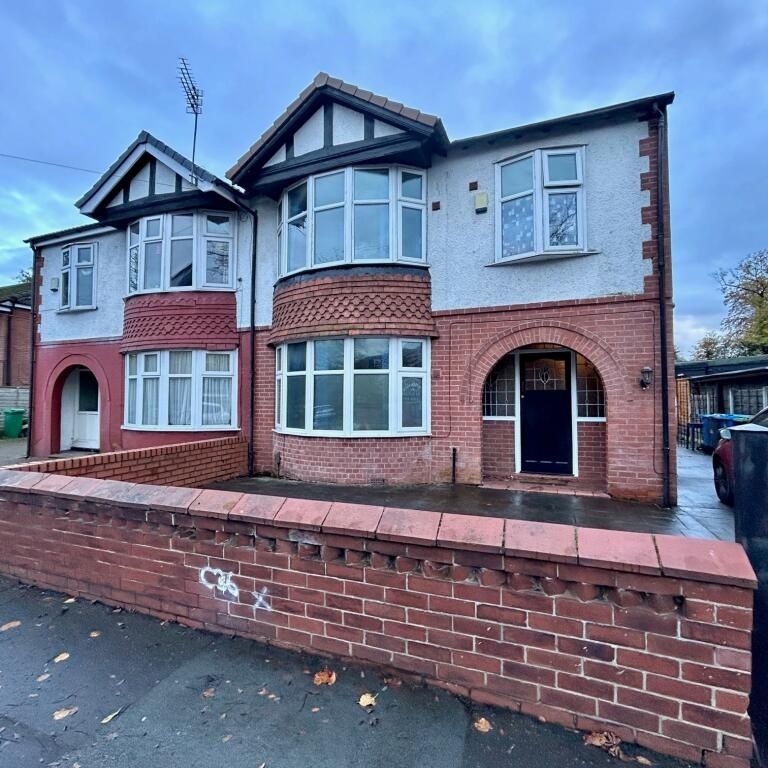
x=264 y=708
x=12 y=450
x=700 y=514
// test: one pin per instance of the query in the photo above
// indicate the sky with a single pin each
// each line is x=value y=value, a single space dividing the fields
x=80 y=79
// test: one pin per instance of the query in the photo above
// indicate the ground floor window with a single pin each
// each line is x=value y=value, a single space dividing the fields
x=180 y=389
x=368 y=386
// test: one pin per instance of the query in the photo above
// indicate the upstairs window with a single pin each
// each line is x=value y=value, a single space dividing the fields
x=355 y=215
x=77 y=284
x=541 y=204
x=178 y=251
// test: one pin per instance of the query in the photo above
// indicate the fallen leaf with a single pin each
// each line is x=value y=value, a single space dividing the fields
x=208 y=693
x=10 y=625
x=367 y=700
x=95 y=633
x=227 y=738
x=42 y=678
x=69 y=601
x=315 y=709
x=643 y=760
x=325 y=677
x=393 y=682
x=482 y=725
x=606 y=740
x=63 y=656
x=109 y=718
x=60 y=714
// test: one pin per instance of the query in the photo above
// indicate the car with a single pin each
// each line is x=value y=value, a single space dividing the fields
x=722 y=460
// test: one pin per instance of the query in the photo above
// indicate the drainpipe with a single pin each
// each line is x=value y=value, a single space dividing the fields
x=33 y=353
x=661 y=140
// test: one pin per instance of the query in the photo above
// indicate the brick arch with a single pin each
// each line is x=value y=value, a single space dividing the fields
x=53 y=391
x=563 y=334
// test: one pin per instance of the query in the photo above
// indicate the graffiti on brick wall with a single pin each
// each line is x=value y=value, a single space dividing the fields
x=216 y=579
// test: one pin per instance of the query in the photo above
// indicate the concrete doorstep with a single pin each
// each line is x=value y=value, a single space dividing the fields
x=188 y=698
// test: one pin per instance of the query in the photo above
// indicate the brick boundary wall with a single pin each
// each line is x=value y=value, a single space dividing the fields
x=648 y=636
x=181 y=464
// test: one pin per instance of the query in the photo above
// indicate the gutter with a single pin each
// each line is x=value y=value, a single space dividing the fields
x=661 y=142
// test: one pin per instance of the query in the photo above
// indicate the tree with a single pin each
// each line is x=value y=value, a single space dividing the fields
x=745 y=293
x=25 y=275
x=711 y=346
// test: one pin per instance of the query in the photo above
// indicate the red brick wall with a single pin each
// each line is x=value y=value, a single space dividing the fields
x=182 y=464
x=21 y=330
x=592 y=452
x=355 y=461
x=498 y=449
x=646 y=636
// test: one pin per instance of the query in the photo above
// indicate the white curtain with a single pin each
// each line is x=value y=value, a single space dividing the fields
x=150 y=401
x=179 y=401
x=217 y=400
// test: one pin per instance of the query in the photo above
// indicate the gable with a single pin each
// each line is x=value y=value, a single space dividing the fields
x=143 y=181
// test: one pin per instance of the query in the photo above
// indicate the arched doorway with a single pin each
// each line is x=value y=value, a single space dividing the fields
x=80 y=410
x=544 y=413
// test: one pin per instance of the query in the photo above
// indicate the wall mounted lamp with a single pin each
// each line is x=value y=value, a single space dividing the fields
x=646 y=377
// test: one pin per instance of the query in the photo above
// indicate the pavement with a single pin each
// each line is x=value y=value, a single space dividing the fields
x=188 y=698
x=698 y=515
x=12 y=450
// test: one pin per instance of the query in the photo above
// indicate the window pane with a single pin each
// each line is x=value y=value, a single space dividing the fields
x=218 y=225
x=279 y=359
x=65 y=258
x=181 y=225
x=149 y=406
x=131 y=416
x=371 y=232
x=131 y=365
x=180 y=401
x=180 y=362
x=517 y=226
x=329 y=355
x=84 y=287
x=181 y=263
x=295 y=402
x=217 y=400
x=84 y=255
x=217 y=262
x=278 y=396
x=133 y=269
x=517 y=177
x=152 y=260
x=412 y=245
x=413 y=354
x=412 y=185
x=65 y=289
x=563 y=221
x=544 y=374
x=372 y=185
x=371 y=354
x=562 y=167
x=297 y=200
x=217 y=362
x=329 y=190
x=134 y=233
x=329 y=402
x=329 y=235
x=297 y=356
x=150 y=363
x=153 y=228
x=412 y=401
x=297 y=244
x=88 y=394
x=499 y=389
x=371 y=402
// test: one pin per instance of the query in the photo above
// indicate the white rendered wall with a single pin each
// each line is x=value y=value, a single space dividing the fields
x=68 y=403
x=462 y=242
x=311 y=134
x=347 y=125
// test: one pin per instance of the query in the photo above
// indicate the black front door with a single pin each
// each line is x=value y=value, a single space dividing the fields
x=546 y=440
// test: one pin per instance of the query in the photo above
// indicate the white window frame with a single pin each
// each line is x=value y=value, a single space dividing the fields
x=542 y=190
x=72 y=270
x=395 y=200
x=197 y=375
x=396 y=372
x=200 y=238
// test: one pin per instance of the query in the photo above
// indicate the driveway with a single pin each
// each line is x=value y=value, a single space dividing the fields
x=189 y=699
x=699 y=514
x=12 y=450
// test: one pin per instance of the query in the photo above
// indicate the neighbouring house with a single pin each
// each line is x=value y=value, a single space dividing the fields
x=15 y=346
x=367 y=301
x=727 y=385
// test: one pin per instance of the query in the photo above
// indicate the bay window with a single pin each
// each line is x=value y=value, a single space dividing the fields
x=180 y=389
x=77 y=284
x=353 y=387
x=177 y=251
x=541 y=204
x=354 y=215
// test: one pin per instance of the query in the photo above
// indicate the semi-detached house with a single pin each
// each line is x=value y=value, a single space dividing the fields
x=367 y=301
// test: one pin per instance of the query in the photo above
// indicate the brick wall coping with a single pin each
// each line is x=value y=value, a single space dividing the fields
x=715 y=562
